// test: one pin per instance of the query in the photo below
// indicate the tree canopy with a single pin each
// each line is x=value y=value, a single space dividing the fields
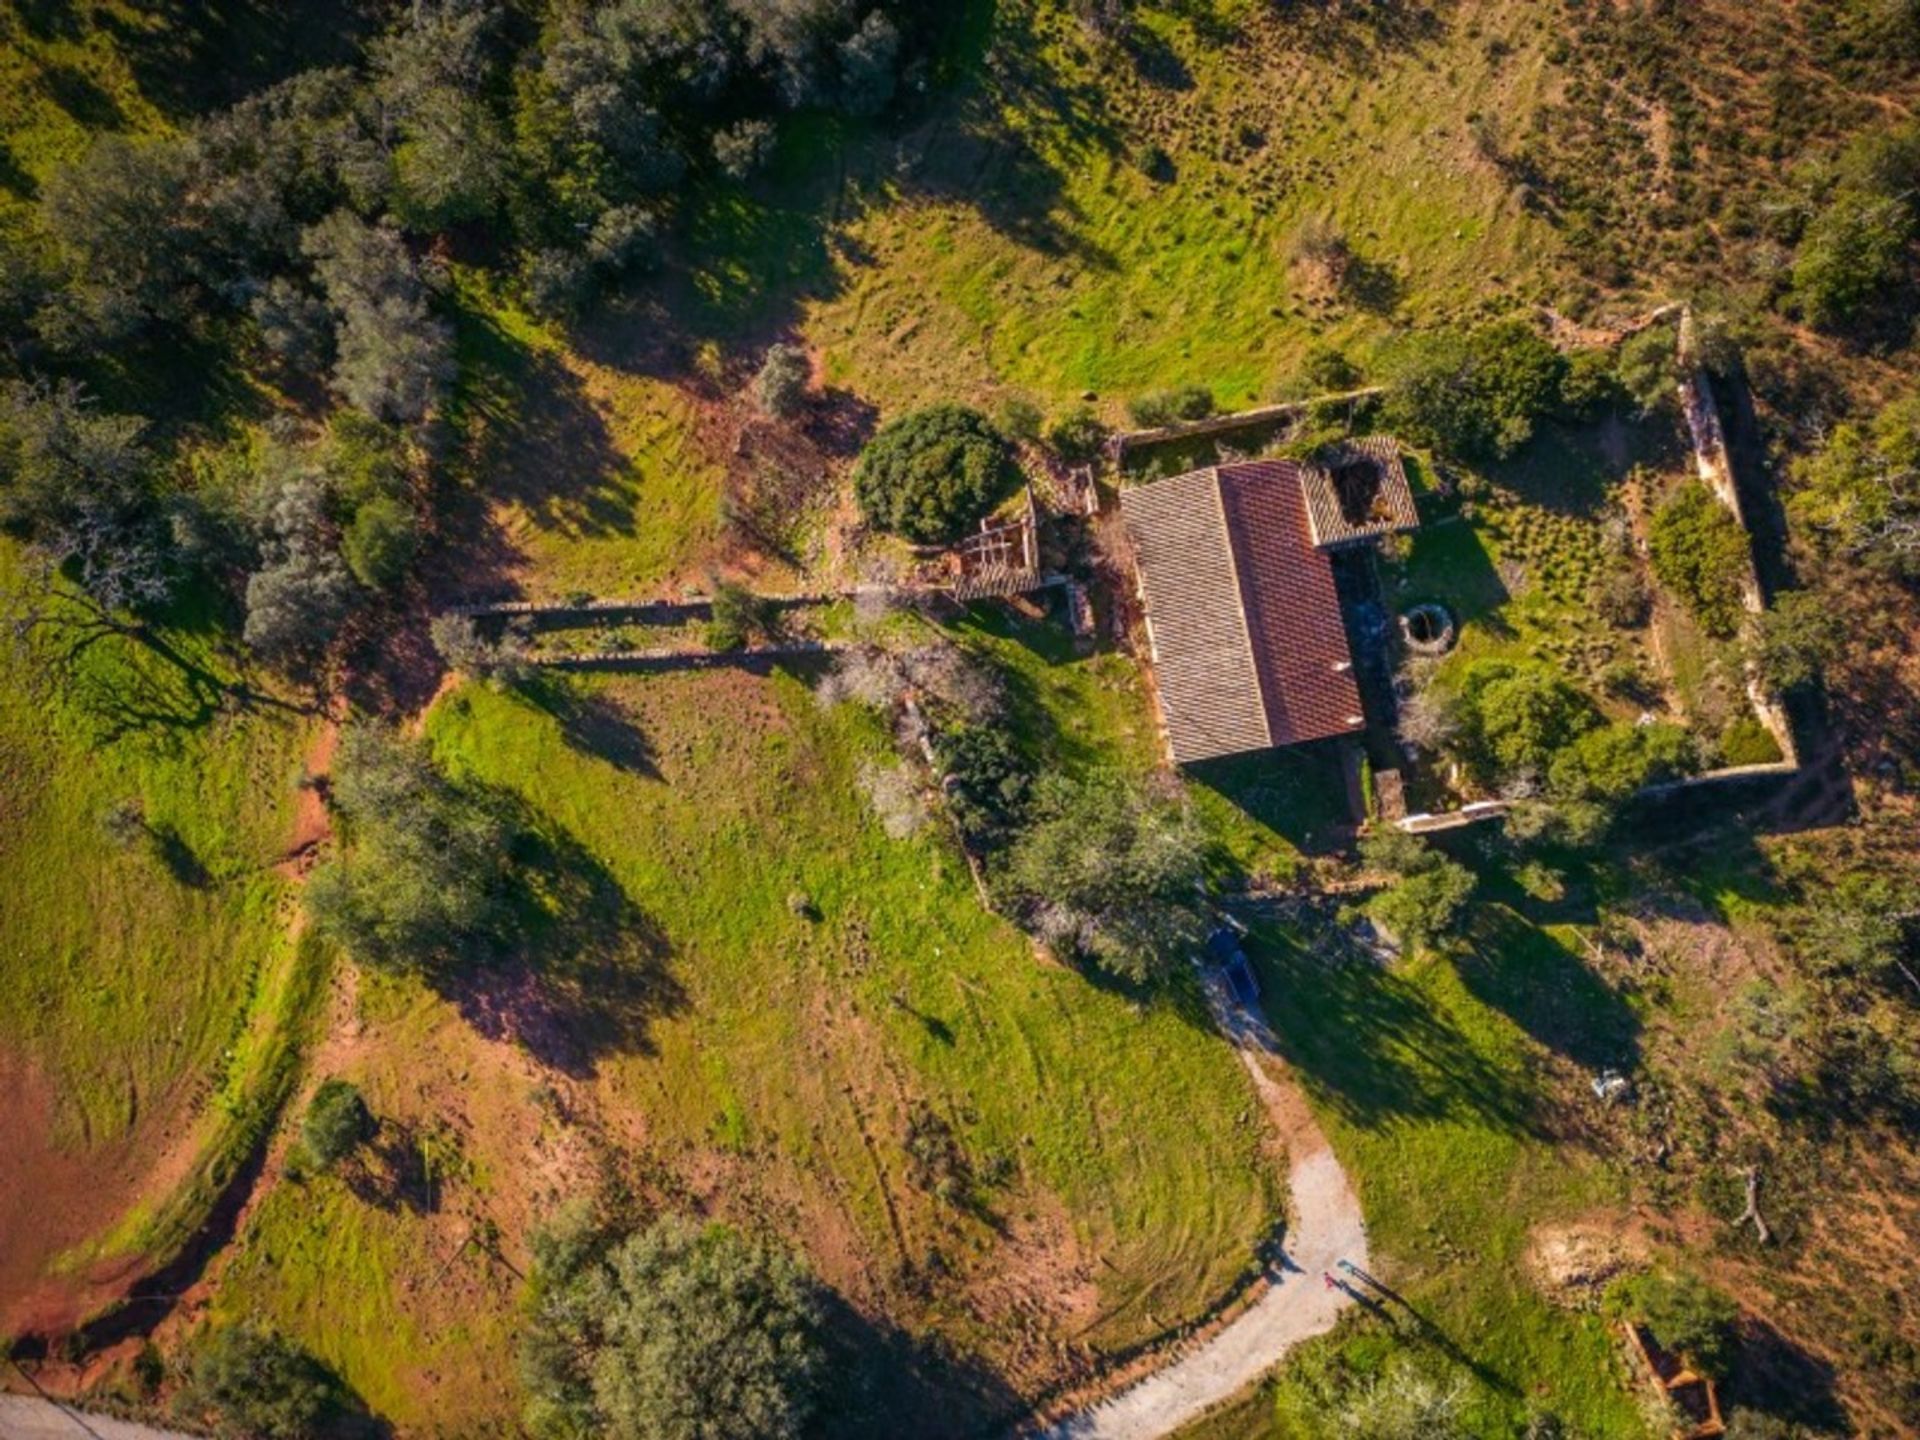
x=681 y=1331
x=1700 y=552
x=424 y=879
x=1108 y=868
x=932 y=473
x=1477 y=394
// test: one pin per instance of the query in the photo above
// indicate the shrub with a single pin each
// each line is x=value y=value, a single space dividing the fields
x=260 y=1384
x=380 y=542
x=1648 y=367
x=986 y=781
x=1684 y=1315
x=1854 y=493
x=1853 y=254
x=1607 y=764
x=1515 y=716
x=625 y=240
x=1019 y=418
x=780 y=388
x=1107 y=869
x=1699 y=552
x=425 y=880
x=743 y=149
x=1590 y=389
x=1170 y=407
x=740 y=616
x=1747 y=742
x=336 y=1122
x=1796 y=638
x=505 y=661
x=679 y=1332
x=1478 y=395
x=1326 y=368
x=1623 y=599
x=930 y=474
x=1429 y=893
x=1078 y=436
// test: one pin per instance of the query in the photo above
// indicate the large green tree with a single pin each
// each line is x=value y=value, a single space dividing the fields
x=682 y=1331
x=932 y=473
x=1109 y=867
x=425 y=877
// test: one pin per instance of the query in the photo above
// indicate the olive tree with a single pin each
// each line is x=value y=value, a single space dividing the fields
x=1109 y=868
x=681 y=1331
x=258 y=1383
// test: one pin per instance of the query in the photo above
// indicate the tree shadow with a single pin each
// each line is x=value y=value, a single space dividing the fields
x=1776 y=1376
x=1298 y=793
x=590 y=974
x=884 y=1382
x=1372 y=1046
x=594 y=723
x=1372 y=285
x=13 y=178
x=83 y=100
x=526 y=425
x=1548 y=991
x=174 y=852
x=192 y=56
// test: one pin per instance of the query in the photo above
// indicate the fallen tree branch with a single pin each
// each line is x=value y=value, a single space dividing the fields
x=1752 y=1212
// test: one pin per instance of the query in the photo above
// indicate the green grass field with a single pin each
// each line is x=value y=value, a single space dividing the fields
x=139 y=977
x=1429 y=1079
x=774 y=1065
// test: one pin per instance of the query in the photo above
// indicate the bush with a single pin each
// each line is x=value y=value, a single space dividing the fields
x=1684 y=1315
x=931 y=474
x=1747 y=742
x=1849 y=495
x=1796 y=638
x=1171 y=407
x=1108 y=869
x=1429 y=893
x=259 y=1384
x=380 y=542
x=680 y=1332
x=425 y=880
x=780 y=389
x=1019 y=418
x=1325 y=368
x=505 y=661
x=336 y=1122
x=1078 y=436
x=1700 y=553
x=1608 y=764
x=1852 y=256
x=1648 y=367
x=740 y=616
x=986 y=780
x=1475 y=396
x=1590 y=390
x=1516 y=716
x=743 y=149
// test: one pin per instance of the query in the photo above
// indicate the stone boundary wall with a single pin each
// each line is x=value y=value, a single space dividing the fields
x=1125 y=440
x=1714 y=465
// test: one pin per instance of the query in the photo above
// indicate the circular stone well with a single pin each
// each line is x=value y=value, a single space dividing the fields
x=1428 y=629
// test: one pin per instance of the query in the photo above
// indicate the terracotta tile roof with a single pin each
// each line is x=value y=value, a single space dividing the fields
x=1249 y=647
x=1196 y=626
x=1358 y=491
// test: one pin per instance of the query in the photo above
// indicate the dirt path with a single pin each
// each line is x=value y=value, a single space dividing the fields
x=1297 y=1304
x=24 y=1417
